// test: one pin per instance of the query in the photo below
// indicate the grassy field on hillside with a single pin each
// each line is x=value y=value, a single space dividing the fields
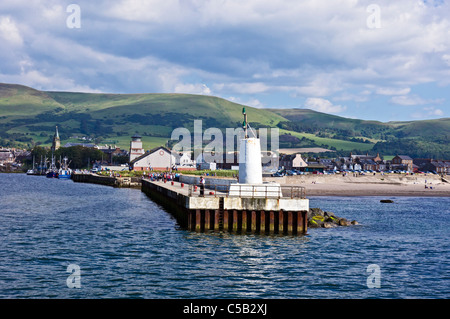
x=28 y=117
x=338 y=144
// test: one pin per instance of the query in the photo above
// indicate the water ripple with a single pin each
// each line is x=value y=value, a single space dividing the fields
x=129 y=247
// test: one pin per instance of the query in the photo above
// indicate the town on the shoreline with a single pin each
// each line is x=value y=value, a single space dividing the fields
x=136 y=158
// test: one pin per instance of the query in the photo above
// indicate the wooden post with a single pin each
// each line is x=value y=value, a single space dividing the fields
x=216 y=220
x=190 y=220
x=280 y=222
x=305 y=221
x=271 y=222
x=235 y=221
x=254 y=221
x=198 y=218
x=207 y=220
x=262 y=228
x=290 y=223
x=226 y=220
x=244 y=221
x=299 y=223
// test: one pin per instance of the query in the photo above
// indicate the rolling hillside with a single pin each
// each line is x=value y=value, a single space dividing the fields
x=427 y=138
x=28 y=117
x=311 y=120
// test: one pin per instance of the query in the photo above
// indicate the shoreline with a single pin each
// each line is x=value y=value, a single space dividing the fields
x=372 y=189
x=363 y=186
x=377 y=194
x=366 y=186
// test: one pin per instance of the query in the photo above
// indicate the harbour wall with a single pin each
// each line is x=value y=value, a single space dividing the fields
x=134 y=182
x=217 y=212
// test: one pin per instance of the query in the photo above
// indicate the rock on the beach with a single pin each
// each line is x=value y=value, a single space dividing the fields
x=329 y=214
x=317 y=221
x=315 y=212
x=343 y=222
x=313 y=224
x=331 y=218
x=318 y=218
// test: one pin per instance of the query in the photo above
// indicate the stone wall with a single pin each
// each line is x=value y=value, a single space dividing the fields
x=107 y=180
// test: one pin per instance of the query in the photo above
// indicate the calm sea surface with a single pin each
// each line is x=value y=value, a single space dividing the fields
x=126 y=246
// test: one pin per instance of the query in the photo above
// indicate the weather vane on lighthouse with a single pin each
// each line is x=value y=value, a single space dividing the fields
x=244 y=124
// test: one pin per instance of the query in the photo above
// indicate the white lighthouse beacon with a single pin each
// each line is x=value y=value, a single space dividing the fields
x=250 y=184
x=250 y=167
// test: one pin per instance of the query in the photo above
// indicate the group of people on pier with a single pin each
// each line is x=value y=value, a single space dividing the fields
x=168 y=177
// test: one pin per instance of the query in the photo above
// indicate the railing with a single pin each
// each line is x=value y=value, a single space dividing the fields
x=248 y=191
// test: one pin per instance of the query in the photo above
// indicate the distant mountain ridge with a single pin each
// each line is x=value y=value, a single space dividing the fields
x=29 y=116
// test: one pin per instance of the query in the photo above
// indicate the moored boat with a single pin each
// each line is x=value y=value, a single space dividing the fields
x=53 y=171
x=32 y=171
x=64 y=172
x=52 y=174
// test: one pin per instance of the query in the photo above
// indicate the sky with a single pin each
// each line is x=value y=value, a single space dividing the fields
x=374 y=60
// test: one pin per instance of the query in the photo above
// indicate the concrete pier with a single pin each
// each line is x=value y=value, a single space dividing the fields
x=283 y=213
x=133 y=182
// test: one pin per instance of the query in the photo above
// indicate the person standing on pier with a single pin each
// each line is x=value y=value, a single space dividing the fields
x=202 y=186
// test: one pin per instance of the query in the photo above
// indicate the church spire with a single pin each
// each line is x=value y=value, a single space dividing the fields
x=56 y=141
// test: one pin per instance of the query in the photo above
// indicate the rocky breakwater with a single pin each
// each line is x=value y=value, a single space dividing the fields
x=318 y=218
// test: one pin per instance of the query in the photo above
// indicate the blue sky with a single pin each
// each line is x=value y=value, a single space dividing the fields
x=374 y=60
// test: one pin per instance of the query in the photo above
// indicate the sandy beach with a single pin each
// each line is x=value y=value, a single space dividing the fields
x=378 y=185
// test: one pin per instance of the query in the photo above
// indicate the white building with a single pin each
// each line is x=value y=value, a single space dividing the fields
x=292 y=161
x=6 y=156
x=136 y=148
x=158 y=159
x=185 y=160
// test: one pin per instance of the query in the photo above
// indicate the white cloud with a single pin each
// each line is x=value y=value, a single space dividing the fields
x=446 y=59
x=251 y=49
x=360 y=97
x=428 y=112
x=314 y=88
x=250 y=102
x=197 y=88
x=156 y=11
x=40 y=81
x=242 y=88
x=323 y=105
x=434 y=111
x=9 y=33
x=393 y=91
x=409 y=100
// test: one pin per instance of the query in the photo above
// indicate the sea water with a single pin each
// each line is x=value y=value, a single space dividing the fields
x=60 y=239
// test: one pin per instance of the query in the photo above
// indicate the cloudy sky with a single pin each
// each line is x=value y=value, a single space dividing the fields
x=379 y=59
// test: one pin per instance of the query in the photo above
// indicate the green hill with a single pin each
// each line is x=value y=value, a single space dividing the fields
x=17 y=100
x=427 y=138
x=28 y=117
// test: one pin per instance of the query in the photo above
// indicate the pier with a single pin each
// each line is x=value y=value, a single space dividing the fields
x=127 y=182
x=247 y=206
x=261 y=209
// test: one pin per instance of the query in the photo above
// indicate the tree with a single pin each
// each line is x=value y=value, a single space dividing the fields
x=79 y=156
